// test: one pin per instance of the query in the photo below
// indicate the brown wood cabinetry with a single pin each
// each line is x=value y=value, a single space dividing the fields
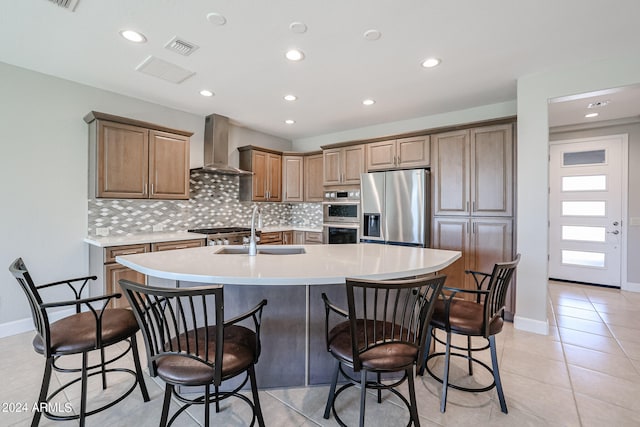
x=473 y=184
x=313 y=237
x=313 y=182
x=298 y=237
x=343 y=165
x=292 y=178
x=287 y=237
x=270 y=238
x=472 y=171
x=182 y=244
x=482 y=241
x=102 y=263
x=136 y=160
x=399 y=153
x=265 y=185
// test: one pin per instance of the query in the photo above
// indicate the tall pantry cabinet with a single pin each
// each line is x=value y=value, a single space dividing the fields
x=473 y=186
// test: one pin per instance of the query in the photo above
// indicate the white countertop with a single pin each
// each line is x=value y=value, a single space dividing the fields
x=321 y=264
x=134 y=239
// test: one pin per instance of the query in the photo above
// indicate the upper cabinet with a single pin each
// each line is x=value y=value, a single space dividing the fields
x=265 y=185
x=130 y=159
x=313 y=188
x=472 y=171
x=343 y=166
x=292 y=178
x=399 y=153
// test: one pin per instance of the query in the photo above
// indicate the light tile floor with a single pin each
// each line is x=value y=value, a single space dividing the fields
x=586 y=372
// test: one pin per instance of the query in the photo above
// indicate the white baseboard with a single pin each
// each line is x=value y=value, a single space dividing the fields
x=631 y=287
x=25 y=325
x=531 y=325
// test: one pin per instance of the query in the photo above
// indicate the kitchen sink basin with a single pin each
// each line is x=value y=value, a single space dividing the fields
x=274 y=250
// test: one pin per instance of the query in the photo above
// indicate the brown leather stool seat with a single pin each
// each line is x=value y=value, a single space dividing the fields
x=384 y=335
x=465 y=317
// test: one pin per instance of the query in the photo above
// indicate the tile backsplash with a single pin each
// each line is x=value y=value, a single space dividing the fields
x=213 y=202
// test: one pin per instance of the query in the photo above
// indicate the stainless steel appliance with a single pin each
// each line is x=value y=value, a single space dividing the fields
x=395 y=207
x=333 y=234
x=225 y=235
x=341 y=216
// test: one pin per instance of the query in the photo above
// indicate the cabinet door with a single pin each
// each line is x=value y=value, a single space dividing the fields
x=353 y=164
x=259 y=166
x=450 y=173
x=491 y=242
x=332 y=159
x=313 y=189
x=274 y=177
x=287 y=237
x=492 y=171
x=298 y=237
x=381 y=155
x=181 y=244
x=293 y=178
x=413 y=152
x=168 y=166
x=271 y=238
x=122 y=161
x=453 y=234
x=313 y=237
x=113 y=273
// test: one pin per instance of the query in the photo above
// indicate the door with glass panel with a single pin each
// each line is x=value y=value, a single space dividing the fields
x=585 y=210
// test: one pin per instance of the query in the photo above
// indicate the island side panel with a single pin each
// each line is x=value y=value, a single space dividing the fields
x=321 y=363
x=282 y=361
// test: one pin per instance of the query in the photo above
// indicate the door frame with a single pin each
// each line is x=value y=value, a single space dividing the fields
x=624 y=189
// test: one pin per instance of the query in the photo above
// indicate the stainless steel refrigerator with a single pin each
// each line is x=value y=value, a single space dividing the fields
x=395 y=207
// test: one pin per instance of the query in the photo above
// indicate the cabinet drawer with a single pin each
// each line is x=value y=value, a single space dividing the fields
x=271 y=238
x=181 y=244
x=313 y=237
x=112 y=252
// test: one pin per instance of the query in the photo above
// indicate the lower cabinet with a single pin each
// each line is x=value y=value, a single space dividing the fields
x=102 y=263
x=287 y=237
x=270 y=238
x=482 y=241
x=298 y=237
x=313 y=237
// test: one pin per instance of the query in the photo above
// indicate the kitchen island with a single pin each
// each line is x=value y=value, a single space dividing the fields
x=291 y=278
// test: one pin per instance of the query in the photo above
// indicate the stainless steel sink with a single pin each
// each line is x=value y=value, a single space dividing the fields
x=273 y=250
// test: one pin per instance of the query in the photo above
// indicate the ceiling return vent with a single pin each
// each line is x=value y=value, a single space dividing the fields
x=182 y=47
x=164 y=70
x=67 y=4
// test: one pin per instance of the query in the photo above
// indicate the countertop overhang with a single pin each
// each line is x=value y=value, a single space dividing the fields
x=320 y=265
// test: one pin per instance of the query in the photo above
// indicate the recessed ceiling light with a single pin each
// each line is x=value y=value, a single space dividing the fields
x=290 y=97
x=206 y=92
x=372 y=35
x=289 y=121
x=368 y=102
x=298 y=27
x=216 y=18
x=591 y=115
x=430 y=62
x=294 y=55
x=133 y=36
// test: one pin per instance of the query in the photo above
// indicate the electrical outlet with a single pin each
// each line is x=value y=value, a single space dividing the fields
x=102 y=231
x=158 y=227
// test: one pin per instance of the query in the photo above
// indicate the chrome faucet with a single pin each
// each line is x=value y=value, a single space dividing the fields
x=253 y=250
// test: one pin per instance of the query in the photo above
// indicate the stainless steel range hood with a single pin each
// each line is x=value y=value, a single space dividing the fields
x=216 y=147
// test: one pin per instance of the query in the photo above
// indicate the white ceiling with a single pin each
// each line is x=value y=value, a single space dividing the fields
x=485 y=46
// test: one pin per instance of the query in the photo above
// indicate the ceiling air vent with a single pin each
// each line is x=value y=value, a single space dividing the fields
x=181 y=46
x=164 y=70
x=67 y=4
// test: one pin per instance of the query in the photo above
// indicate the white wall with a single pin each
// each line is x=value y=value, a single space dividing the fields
x=470 y=115
x=534 y=91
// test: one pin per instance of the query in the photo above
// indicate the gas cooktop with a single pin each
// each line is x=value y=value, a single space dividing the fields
x=220 y=230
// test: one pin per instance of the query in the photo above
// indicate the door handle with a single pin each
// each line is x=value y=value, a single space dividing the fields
x=613 y=232
x=616 y=223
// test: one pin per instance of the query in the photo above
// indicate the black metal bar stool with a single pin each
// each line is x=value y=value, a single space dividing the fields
x=93 y=329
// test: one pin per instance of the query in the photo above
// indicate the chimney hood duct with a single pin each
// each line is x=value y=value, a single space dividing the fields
x=216 y=147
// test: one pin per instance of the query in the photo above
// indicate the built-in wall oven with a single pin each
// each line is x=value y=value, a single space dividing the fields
x=341 y=216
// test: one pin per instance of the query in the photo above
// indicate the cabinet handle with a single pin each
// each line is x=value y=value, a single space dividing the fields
x=467 y=206
x=181 y=247
x=397 y=160
x=144 y=188
x=129 y=252
x=152 y=189
x=474 y=206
